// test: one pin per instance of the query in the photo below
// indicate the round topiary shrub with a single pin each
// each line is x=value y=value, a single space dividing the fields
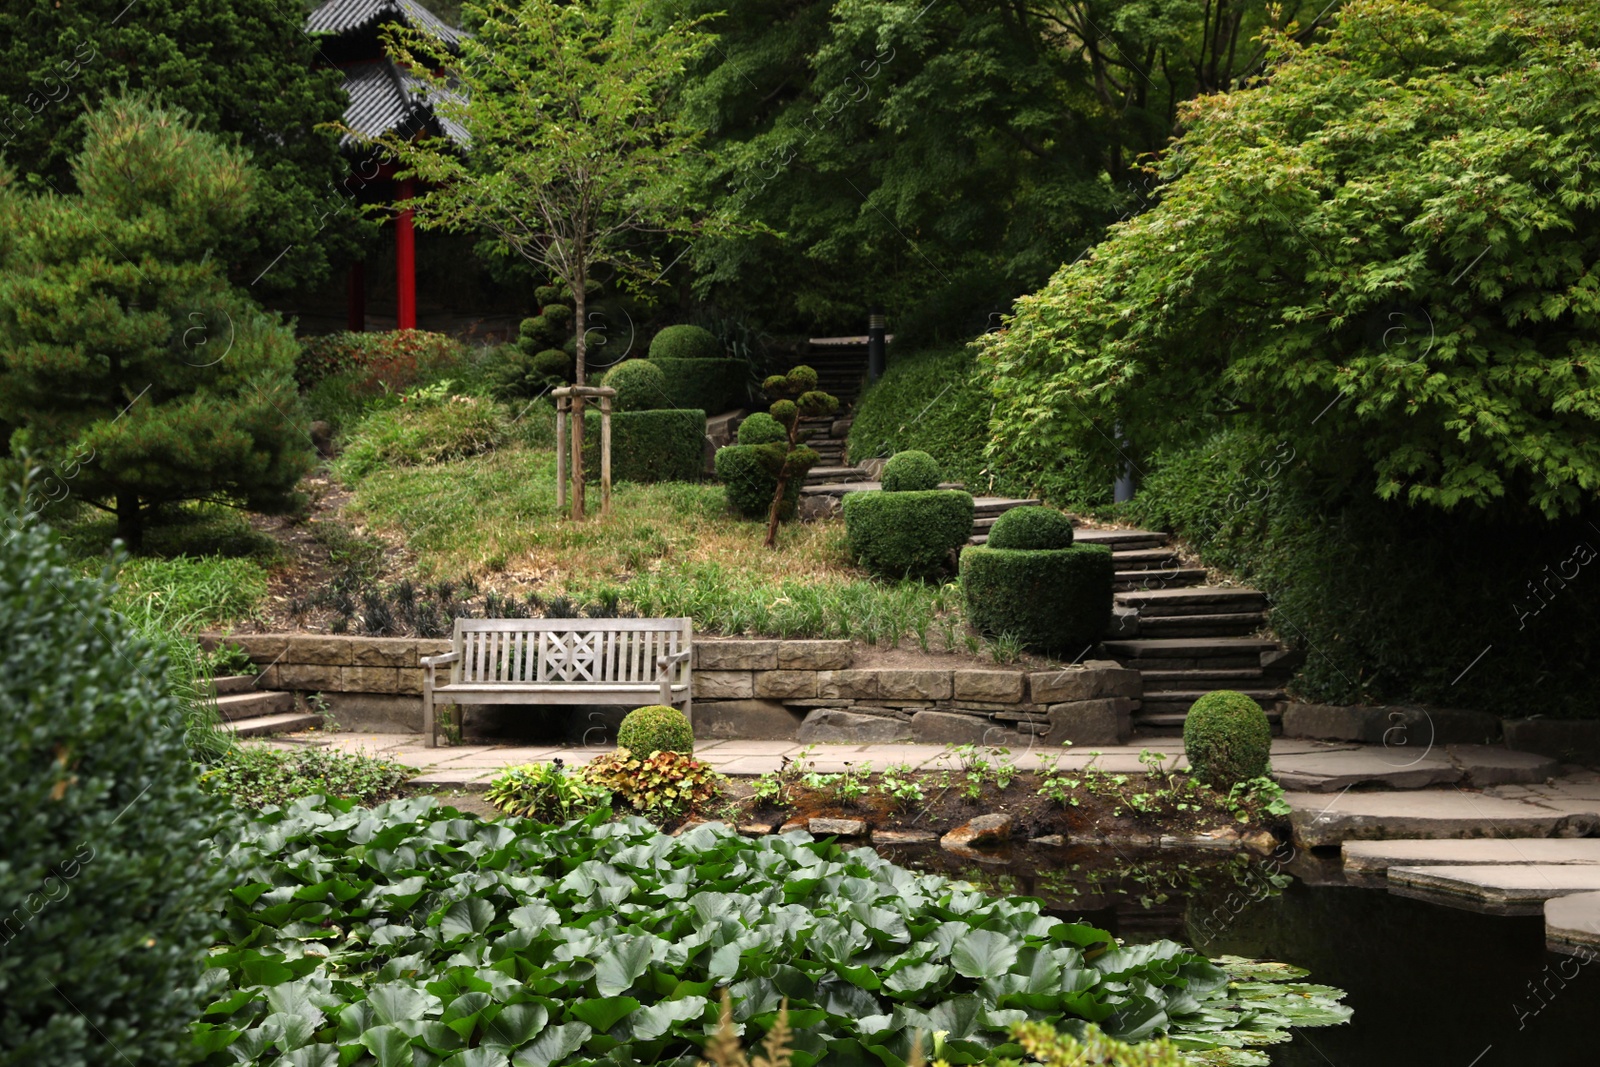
x=110 y=888
x=640 y=386
x=686 y=342
x=761 y=429
x=1031 y=527
x=907 y=534
x=552 y=364
x=749 y=475
x=910 y=472
x=1227 y=739
x=656 y=728
x=547 y=294
x=557 y=315
x=1050 y=599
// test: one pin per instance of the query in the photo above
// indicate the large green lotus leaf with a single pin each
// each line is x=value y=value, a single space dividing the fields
x=477 y=1057
x=651 y=1022
x=616 y=971
x=319 y=1055
x=396 y=1002
x=603 y=1013
x=983 y=954
x=389 y=1045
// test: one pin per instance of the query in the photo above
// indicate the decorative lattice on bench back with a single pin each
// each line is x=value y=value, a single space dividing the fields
x=554 y=651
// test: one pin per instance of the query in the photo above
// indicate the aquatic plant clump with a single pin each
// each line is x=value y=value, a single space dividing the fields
x=410 y=933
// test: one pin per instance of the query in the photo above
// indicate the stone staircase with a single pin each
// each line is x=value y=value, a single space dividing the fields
x=1188 y=638
x=250 y=712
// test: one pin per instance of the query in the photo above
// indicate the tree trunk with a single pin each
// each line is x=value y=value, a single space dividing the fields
x=783 y=486
x=580 y=319
x=130 y=521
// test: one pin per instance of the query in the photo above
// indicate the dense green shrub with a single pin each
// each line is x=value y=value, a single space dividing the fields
x=716 y=385
x=664 y=785
x=256 y=777
x=648 y=446
x=640 y=386
x=910 y=472
x=1052 y=600
x=1031 y=527
x=545 y=792
x=656 y=728
x=759 y=428
x=686 y=342
x=109 y=886
x=938 y=401
x=1227 y=739
x=750 y=475
x=1377 y=592
x=907 y=534
x=430 y=427
x=396 y=359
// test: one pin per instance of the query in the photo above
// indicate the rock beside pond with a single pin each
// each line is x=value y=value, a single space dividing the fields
x=976 y=833
x=792 y=825
x=838 y=827
x=904 y=837
x=830 y=725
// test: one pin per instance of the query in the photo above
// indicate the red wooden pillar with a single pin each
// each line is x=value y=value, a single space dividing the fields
x=356 y=297
x=405 y=256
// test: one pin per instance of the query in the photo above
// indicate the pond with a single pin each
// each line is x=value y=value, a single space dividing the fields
x=1430 y=985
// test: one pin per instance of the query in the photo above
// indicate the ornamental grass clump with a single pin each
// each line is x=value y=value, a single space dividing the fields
x=1227 y=739
x=656 y=728
x=910 y=529
x=1035 y=585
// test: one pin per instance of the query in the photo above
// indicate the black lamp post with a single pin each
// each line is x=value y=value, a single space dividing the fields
x=876 y=356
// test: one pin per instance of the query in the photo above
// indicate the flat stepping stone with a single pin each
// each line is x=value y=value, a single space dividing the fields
x=1520 y=888
x=1390 y=768
x=1366 y=862
x=1486 y=765
x=1572 y=923
x=1320 y=820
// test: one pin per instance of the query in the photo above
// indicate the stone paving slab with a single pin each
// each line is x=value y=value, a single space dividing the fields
x=1486 y=765
x=1335 y=771
x=1366 y=861
x=1572 y=923
x=1498 y=886
x=1319 y=820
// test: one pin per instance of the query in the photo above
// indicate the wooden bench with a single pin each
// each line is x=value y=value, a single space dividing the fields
x=561 y=661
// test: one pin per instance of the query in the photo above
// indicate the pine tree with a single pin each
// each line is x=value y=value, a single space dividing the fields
x=125 y=356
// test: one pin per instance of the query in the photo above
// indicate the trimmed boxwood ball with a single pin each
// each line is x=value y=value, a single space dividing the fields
x=648 y=446
x=749 y=475
x=907 y=534
x=547 y=294
x=1031 y=527
x=1227 y=739
x=761 y=429
x=1052 y=600
x=557 y=315
x=686 y=342
x=910 y=472
x=552 y=363
x=656 y=728
x=714 y=385
x=110 y=890
x=640 y=386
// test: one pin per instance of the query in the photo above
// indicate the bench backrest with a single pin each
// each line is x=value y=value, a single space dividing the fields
x=578 y=651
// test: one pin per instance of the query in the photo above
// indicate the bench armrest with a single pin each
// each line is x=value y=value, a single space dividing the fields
x=439 y=661
x=663 y=662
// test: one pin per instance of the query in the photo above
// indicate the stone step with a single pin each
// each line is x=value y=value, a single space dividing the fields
x=1232 y=625
x=1142 y=581
x=272 y=724
x=1141 y=649
x=1142 y=559
x=1511 y=889
x=1168 y=701
x=236 y=706
x=1121 y=539
x=826 y=475
x=998 y=505
x=1319 y=820
x=1201 y=680
x=1169 y=723
x=1195 y=600
x=1368 y=860
x=864 y=486
x=233 y=683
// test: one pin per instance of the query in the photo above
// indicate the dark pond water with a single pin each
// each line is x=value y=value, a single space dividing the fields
x=1431 y=985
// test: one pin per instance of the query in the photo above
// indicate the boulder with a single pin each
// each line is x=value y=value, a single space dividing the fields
x=832 y=726
x=985 y=830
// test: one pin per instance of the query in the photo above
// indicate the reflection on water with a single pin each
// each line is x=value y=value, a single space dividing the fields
x=1431 y=986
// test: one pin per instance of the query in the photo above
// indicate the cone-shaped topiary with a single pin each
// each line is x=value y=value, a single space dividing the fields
x=686 y=342
x=640 y=386
x=761 y=429
x=1227 y=739
x=1031 y=527
x=910 y=472
x=110 y=891
x=656 y=728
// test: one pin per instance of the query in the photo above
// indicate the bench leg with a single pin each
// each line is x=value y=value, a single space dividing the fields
x=688 y=710
x=429 y=720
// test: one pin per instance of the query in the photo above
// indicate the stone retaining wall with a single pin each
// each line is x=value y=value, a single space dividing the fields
x=750 y=688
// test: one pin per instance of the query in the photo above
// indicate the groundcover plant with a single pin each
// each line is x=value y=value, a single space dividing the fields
x=409 y=934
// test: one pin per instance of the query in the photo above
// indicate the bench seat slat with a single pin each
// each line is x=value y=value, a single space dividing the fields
x=577 y=689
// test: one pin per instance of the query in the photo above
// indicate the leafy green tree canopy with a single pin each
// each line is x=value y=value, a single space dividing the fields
x=126 y=359
x=1385 y=253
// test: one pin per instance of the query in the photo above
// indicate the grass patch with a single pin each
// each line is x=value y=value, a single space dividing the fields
x=254 y=777
x=205 y=591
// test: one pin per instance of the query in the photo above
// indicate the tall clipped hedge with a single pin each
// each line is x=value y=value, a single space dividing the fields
x=648 y=446
x=907 y=534
x=1052 y=600
x=716 y=385
x=108 y=883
